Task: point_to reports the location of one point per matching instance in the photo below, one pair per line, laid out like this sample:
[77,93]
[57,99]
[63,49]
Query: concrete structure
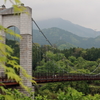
[23,22]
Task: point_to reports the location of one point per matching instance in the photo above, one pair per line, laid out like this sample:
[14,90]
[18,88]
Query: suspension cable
[52,46]
[42,32]
[95,69]
[84,73]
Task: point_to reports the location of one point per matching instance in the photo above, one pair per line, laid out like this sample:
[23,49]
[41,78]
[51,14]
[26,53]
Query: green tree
[6,57]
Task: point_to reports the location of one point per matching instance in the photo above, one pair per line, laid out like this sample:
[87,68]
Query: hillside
[56,35]
[68,26]
[63,39]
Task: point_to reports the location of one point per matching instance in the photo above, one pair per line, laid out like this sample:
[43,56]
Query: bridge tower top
[22,20]
[10,11]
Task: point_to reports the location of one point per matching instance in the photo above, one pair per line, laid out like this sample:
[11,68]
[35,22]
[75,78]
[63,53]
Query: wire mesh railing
[58,77]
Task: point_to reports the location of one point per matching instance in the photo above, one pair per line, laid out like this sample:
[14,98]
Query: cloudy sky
[82,12]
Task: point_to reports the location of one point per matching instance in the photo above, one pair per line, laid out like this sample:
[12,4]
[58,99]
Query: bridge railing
[49,77]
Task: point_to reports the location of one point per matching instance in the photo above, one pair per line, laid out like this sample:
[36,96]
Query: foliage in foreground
[71,94]
[9,63]
[9,94]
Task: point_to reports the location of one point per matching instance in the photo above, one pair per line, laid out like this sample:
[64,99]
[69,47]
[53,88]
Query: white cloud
[82,12]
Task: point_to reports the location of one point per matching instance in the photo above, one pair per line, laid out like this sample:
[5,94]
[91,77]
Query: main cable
[95,69]
[41,32]
[47,39]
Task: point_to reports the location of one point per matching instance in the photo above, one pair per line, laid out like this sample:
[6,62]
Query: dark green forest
[65,39]
[61,38]
[72,60]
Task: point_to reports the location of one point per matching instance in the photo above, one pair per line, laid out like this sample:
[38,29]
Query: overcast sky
[82,12]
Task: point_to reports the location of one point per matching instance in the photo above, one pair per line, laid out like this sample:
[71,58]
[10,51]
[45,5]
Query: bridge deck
[44,78]
[71,77]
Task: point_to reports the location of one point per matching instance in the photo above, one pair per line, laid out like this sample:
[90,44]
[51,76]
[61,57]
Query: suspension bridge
[41,77]
[38,77]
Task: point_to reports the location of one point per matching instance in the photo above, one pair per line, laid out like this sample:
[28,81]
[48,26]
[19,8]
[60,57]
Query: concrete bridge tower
[23,22]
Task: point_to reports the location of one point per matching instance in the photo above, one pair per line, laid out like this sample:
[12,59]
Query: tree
[7,59]
[73,94]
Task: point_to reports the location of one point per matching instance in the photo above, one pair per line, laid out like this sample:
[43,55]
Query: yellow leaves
[13,76]
[33,82]
[1,39]
[2,49]
[1,27]
[12,62]
[2,83]
[9,69]
[8,49]
[19,9]
[17,5]
[17,1]
[5,1]
[11,32]
[6,59]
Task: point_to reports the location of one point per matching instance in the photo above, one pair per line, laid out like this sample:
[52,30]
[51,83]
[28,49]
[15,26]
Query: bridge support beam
[26,56]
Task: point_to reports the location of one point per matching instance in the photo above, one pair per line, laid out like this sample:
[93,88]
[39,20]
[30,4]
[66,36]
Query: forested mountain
[61,37]
[68,26]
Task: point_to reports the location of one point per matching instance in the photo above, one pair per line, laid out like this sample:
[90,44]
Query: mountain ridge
[68,26]
[55,35]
